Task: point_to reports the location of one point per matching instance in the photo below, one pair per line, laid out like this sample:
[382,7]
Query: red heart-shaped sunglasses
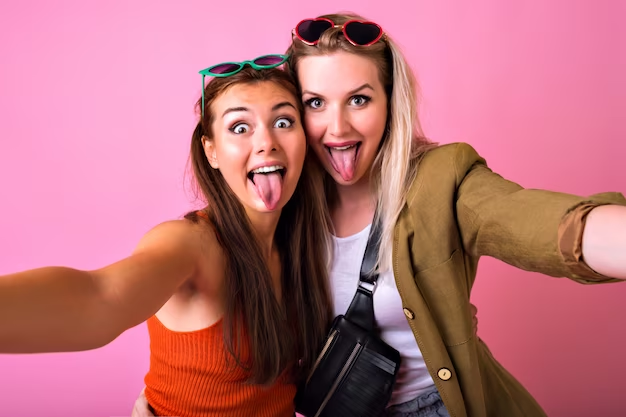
[357,32]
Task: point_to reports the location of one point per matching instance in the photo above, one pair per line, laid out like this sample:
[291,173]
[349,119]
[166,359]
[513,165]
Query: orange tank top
[192,374]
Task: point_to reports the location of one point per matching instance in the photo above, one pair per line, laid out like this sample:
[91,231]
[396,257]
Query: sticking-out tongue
[344,161]
[269,187]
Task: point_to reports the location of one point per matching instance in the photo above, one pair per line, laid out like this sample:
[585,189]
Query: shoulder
[184,236]
[457,157]
[442,168]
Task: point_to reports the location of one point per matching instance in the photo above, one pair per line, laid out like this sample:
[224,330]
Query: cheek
[232,160]
[314,127]
[297,145]
[230,150]
[373,123]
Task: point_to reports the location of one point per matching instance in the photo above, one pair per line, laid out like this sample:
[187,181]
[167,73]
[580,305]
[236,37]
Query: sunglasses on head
[357,32]
[226,69]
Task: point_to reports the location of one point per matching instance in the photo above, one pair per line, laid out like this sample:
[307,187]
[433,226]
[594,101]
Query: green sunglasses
[226,69]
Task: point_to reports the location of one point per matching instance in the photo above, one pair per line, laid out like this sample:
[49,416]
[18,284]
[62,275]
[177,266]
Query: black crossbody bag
[355,371]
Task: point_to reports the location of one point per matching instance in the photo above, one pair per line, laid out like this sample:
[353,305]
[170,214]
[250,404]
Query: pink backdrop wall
[96,114]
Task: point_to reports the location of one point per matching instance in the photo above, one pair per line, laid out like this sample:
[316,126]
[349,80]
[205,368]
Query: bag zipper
[347,365]
[330,339]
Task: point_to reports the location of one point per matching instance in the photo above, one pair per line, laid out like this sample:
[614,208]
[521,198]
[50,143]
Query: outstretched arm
[557,234]
[62,309]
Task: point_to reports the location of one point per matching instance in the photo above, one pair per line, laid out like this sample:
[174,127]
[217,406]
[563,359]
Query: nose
[265,141]
[338,125]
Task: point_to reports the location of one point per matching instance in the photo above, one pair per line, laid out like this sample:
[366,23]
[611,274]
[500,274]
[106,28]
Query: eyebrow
[274,108]
[364,86]
[234,109]
[356,90]
[283,104]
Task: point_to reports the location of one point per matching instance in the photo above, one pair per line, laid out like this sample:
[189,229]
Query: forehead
[337,72]
[254,96]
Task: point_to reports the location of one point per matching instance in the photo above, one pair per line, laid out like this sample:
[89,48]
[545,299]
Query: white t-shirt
[413,377]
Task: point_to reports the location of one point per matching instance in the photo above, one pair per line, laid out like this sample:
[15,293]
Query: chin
[261,208]
[339,179]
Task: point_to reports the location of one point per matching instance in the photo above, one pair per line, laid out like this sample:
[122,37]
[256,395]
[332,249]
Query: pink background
[96,115]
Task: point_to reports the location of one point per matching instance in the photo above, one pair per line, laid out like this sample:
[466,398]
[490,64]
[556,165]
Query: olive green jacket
[457,211]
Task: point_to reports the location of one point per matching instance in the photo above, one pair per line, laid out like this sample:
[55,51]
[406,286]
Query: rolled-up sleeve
[535,230]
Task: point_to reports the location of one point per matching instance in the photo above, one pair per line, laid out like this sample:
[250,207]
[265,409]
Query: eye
[240,128]
[359,100]
[314,103]
[283,123]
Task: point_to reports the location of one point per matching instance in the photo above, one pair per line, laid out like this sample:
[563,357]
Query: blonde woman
[441,208]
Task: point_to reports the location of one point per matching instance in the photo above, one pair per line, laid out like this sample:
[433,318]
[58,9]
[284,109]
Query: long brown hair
[404,142]
[278,336]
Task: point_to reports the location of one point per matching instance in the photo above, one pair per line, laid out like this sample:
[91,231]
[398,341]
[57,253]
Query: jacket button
[409,313]
[444,374]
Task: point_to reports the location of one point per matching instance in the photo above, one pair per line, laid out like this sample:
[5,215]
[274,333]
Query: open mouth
[266,171]
[268,184]
[343,159]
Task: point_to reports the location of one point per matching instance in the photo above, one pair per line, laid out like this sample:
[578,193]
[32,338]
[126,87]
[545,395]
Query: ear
[209,152]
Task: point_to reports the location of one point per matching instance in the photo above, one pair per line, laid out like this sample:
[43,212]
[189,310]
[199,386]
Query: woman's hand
[141,407]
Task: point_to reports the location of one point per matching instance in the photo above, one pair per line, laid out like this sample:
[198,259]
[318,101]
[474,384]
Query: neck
[354,207]
[355,196]
[264,228]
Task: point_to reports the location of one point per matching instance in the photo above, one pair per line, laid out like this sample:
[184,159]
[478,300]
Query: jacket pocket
[444,288]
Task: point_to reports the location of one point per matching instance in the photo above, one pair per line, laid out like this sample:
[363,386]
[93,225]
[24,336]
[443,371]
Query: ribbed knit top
[193,375]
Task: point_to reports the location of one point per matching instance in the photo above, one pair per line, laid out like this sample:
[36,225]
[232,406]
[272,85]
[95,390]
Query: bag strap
[361,310]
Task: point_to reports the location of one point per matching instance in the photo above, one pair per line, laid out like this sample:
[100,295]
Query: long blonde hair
[404,142]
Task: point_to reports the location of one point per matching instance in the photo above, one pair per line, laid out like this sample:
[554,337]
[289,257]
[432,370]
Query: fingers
[141,407]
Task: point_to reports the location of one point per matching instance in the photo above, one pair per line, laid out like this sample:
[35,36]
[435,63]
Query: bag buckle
[370,287]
